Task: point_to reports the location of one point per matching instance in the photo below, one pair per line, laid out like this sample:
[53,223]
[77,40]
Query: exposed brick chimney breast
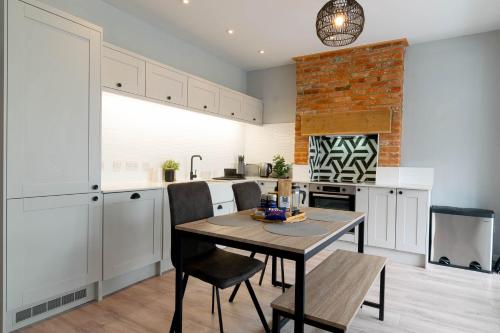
[357,79]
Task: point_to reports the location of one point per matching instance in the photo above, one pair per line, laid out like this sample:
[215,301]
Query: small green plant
[280,168]
[170,165]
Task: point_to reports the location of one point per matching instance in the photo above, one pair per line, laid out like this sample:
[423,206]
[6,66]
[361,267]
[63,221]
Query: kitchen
[94,177]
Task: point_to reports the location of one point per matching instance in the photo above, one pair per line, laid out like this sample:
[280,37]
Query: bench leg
[382,295]
[276,322]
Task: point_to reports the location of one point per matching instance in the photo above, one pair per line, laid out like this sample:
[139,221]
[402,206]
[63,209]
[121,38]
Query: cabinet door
[231,104]
[132,231]
[362,199]
[203,96]
[166,85]
[224,208]
[382,217]
[123,72]
[412,220]
[253,109]
[54,103]
[54,245]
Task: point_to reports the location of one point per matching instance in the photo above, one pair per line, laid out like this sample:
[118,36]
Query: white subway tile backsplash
[138,136]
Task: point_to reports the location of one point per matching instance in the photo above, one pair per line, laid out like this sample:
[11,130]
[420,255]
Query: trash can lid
[474,212]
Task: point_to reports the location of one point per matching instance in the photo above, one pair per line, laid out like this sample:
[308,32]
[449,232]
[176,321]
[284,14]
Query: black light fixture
[340,22]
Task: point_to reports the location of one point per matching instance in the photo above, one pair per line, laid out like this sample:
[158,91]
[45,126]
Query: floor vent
[50,305]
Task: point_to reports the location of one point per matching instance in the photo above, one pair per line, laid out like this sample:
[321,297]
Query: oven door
[337,202]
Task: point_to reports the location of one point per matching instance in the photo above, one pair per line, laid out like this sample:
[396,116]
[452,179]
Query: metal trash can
[462,237]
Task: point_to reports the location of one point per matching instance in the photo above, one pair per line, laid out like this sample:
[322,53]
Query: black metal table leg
[300,273]
[361,237]
[382,295]
[273,271]
[179,290]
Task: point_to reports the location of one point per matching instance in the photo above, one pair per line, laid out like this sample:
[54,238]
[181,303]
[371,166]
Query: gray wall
[128,32]
[276,87]
[451,119]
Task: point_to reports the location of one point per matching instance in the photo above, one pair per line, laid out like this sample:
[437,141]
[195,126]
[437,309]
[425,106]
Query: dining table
[256,236]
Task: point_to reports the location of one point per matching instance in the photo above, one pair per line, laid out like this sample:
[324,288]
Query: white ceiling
[286,28]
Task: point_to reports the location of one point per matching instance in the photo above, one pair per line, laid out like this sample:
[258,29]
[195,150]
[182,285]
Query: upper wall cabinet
[203,95]
[123,72]
[54,103]
[166,85]
[252,110]
[231,104]
[134,74]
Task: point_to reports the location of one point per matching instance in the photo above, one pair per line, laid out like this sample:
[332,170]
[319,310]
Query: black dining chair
[203,260]
[247,196]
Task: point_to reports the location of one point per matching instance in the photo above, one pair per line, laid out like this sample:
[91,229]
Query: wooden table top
[257,235]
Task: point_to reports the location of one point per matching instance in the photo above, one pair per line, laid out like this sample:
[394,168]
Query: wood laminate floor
[417,300]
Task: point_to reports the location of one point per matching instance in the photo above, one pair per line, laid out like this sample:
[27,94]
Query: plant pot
[169,175]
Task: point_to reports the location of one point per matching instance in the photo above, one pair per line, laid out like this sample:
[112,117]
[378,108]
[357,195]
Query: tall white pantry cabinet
[51,202]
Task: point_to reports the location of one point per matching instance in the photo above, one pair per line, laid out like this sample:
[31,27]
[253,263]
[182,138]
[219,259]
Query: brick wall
[357,79]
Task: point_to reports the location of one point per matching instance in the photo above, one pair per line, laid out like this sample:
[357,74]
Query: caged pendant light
[340,22]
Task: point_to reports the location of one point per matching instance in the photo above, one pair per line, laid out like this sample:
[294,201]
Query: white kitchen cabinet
[231,104]
[132,231]
[54,103]
[224,208]
[267,186]
[54,245]
[412,218]
[362,205]
[382,217]
[166,85]
[123,72]
[253,109]
[203,95]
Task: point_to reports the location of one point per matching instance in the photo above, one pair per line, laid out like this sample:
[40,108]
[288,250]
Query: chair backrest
[189,202]
[247,195]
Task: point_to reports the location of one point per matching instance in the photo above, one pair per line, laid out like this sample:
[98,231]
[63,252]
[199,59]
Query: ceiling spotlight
[230,31]
[186,2]
[261,51]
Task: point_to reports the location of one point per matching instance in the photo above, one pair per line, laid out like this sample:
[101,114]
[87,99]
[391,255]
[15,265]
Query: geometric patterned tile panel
[343,158]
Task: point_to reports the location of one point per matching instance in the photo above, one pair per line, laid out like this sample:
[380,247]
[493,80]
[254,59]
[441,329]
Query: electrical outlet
[117,166]
[131,165]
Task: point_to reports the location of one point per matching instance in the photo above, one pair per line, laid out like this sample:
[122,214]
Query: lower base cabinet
[54,246]
[132,232]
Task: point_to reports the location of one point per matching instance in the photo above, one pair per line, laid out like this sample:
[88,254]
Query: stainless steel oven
[339,197]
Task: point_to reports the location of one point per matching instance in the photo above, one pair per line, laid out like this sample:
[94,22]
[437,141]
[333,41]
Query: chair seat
[222,269]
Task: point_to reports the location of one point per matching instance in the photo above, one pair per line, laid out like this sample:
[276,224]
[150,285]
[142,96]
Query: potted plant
[280,168]
[170,167]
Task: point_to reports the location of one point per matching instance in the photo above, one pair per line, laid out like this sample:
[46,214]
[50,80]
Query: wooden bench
[334,291]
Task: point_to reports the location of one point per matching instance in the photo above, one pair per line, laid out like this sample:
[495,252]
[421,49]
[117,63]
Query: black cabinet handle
[219,207]
[254,119]
[359,190]
[232,113]
[95,198]
[391,192]
[400,192]
[169,98]
[119,85]
[205,107]
[135,196]
[95,187]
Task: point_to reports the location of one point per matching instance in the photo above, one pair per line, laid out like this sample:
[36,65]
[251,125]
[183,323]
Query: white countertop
[143,186]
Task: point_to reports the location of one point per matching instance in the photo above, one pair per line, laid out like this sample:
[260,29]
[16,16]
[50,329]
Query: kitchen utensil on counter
[252,170]
[298,198]
[284,193]
[230,172]
[241,165]
[266,169]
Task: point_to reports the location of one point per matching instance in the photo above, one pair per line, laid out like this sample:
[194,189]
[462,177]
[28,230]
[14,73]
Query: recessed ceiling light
[261,51]
[230,31]
[186,2]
